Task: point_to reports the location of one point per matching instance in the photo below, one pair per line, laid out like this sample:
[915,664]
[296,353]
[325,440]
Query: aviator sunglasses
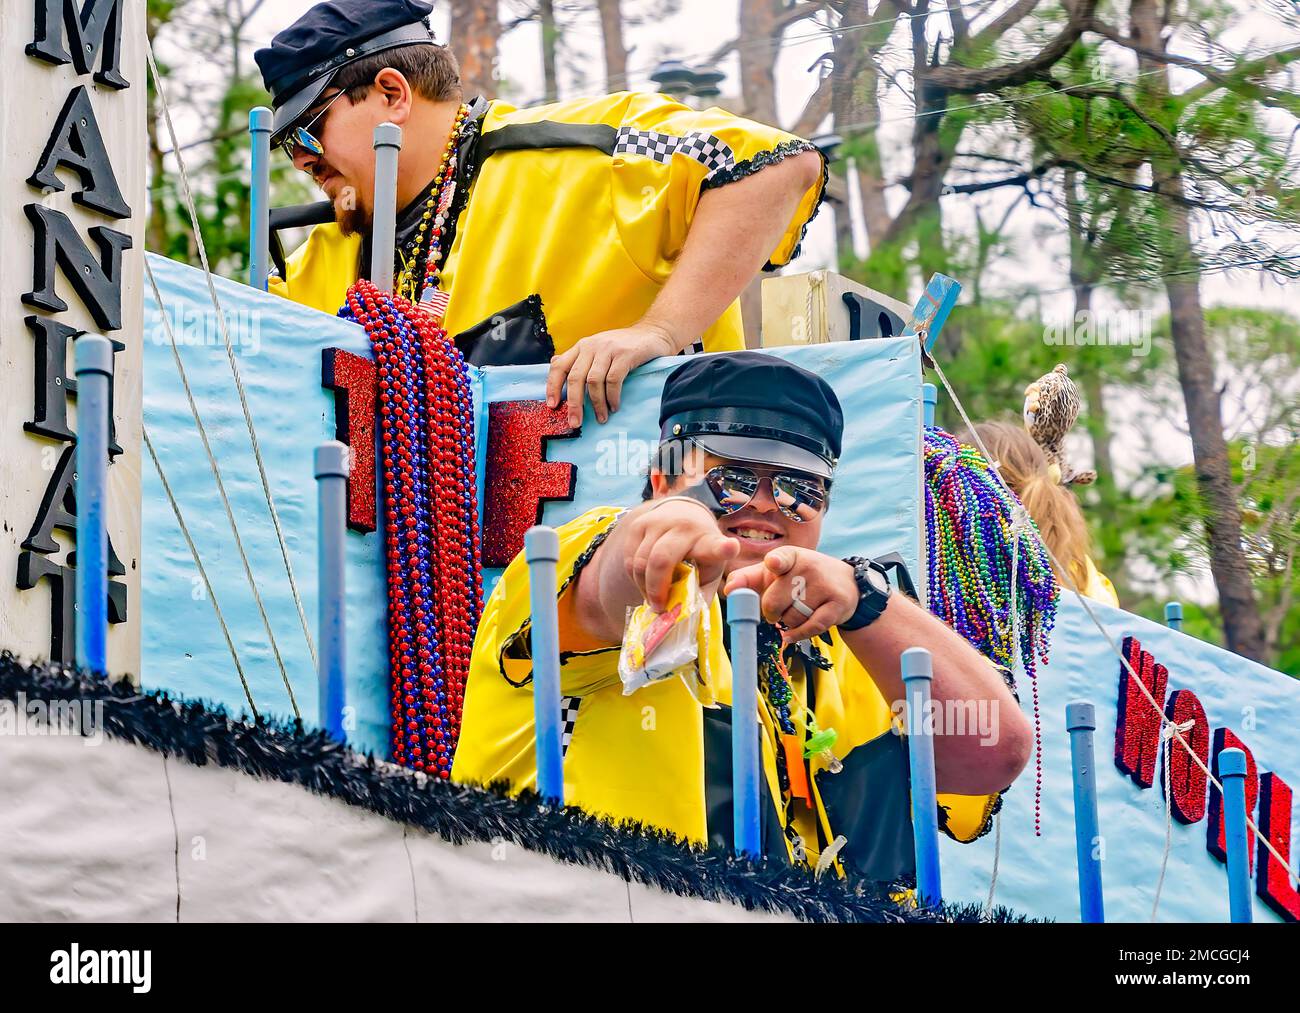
[796,495]
[302,137]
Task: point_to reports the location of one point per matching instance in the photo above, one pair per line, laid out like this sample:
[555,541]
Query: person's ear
[660,483]
[395,93]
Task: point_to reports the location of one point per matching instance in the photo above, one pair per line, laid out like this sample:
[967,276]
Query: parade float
[196,504]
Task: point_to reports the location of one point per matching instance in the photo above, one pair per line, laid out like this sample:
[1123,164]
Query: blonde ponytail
[1053,507]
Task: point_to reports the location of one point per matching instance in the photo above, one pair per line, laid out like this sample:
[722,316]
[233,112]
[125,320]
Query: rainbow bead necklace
[970,532]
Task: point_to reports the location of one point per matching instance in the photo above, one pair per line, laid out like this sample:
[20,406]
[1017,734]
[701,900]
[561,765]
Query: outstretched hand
[664,536]
[822,584]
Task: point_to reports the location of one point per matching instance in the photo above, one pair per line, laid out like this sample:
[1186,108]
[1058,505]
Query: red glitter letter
[519,478]
[1137,723]
[1225,738]
[1273,883]
[1187,780]
[352,379]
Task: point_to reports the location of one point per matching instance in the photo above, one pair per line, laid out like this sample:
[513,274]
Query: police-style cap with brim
[757,408]
[302,60]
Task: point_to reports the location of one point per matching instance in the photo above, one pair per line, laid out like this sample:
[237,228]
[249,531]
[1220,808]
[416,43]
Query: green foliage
[219,163]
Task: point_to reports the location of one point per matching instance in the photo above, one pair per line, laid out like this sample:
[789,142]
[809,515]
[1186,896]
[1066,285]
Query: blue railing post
[94,368]
[1081,722]
[259,202]
[742,617]
[388,144]
[331,467]
[1174,615]
[917,675]
[542,552]
[930,396]
[1232,772]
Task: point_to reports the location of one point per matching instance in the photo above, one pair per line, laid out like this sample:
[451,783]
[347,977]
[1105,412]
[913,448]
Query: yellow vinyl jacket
[591,224]
[645,757]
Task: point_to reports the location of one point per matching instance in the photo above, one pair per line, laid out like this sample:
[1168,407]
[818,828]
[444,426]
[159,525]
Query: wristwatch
[873,592]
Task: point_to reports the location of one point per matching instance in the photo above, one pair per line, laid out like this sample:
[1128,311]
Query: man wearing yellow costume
[749,445]
[595,234]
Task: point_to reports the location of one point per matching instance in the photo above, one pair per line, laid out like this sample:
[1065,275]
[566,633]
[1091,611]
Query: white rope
[221,486]
[1166,734]
[207,584]
[230,351]
[1087,608]
[1019,524]
[997,856]
[816,293]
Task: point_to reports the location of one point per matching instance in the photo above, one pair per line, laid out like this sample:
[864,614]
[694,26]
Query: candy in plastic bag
[658,644]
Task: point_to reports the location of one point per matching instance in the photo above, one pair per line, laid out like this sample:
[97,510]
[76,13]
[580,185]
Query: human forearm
[733,232]
[991,748]
[636,561]
[605,588]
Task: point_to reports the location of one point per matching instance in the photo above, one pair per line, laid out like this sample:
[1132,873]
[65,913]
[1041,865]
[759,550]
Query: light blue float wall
[875,507]
[1038,874]
[278,353]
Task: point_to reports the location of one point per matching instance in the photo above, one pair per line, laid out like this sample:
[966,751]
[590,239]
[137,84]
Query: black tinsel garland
[285,751]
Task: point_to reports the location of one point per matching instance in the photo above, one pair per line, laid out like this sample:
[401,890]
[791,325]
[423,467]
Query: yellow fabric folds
[1099,588]
[594,235]
[641,757]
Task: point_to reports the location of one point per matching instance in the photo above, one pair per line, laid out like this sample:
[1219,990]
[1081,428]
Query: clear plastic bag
[657,645]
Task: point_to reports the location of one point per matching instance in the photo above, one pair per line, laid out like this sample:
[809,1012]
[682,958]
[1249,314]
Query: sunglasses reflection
[797,496]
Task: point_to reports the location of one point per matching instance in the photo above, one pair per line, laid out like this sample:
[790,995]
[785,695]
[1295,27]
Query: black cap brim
[757,450]
[298,103]
[319,77]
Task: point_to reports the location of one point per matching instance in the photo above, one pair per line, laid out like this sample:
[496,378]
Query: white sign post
[72,207]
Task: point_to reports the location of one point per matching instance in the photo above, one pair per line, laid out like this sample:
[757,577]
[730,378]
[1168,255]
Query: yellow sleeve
[667,155]
[1099,587]
[581,671]
[320,272]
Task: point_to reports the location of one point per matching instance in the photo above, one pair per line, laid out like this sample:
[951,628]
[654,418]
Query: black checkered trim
[706,149]
[569,716]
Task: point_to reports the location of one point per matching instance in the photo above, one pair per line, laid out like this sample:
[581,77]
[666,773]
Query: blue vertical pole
[383,233]
[259,202]
[930,395]
[1232,772]
[94,369]
[1174,615]
[917,676]
[742,617]
[1081,722]
[331,467]
[542,551]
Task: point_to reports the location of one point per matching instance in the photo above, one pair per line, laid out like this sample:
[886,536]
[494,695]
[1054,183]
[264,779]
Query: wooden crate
[810,309]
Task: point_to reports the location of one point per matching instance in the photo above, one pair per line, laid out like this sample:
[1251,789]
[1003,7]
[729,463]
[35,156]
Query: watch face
[877,580]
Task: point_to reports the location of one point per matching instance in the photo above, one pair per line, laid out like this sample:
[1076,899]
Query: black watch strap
[873,592]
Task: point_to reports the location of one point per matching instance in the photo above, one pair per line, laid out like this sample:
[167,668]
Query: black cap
[748,406]
[301,61]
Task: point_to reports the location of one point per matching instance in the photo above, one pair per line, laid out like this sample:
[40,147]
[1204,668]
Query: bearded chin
[352,222]
[352,219]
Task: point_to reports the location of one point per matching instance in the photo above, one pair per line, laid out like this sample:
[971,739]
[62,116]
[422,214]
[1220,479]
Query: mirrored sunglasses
[797,496]
[302,137]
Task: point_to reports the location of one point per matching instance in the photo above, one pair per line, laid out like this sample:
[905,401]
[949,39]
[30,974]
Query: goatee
[352,222]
